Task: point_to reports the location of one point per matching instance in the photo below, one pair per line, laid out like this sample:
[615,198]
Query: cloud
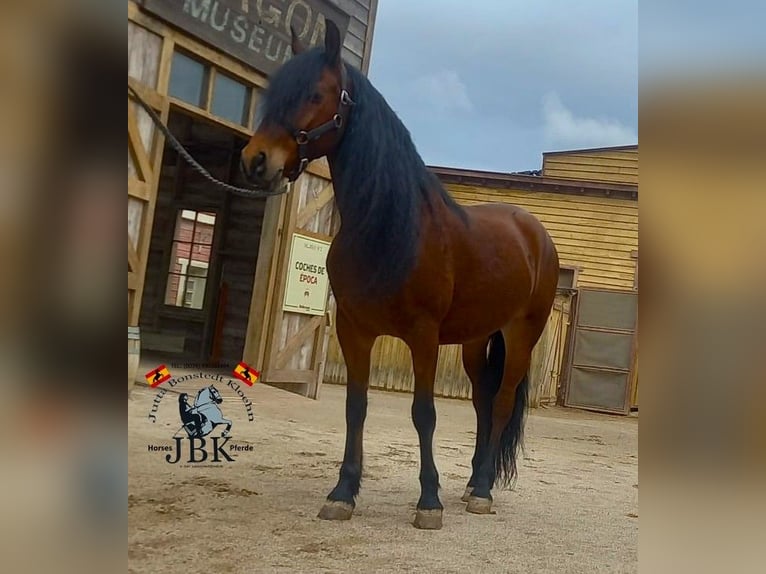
[562,128]
[444,91]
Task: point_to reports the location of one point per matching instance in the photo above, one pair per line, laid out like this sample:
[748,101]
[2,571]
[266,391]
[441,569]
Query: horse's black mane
[381,182]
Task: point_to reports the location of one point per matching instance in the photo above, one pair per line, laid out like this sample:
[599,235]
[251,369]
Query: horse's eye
[316,98]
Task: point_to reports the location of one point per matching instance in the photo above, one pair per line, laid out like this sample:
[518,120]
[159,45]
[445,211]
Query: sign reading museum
[254,31]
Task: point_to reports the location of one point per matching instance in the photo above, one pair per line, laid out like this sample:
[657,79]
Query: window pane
[190,256]
[184,225]
[229,99]
[195,293]
[187,79]
[203,233]
[174,291]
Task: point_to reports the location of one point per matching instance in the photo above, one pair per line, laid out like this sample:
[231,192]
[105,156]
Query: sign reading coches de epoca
[307,282]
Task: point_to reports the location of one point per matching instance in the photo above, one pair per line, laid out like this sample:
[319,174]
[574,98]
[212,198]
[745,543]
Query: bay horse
[409,262]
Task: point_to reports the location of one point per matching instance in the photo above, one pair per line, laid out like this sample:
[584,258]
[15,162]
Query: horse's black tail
[513,433]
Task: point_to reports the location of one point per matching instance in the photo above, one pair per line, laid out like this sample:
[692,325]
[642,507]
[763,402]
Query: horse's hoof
[336,510]
[478,505]
[467,493]
[428,519]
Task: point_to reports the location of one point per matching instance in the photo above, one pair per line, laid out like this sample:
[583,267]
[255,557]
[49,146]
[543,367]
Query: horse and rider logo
[196,440]
[199,420]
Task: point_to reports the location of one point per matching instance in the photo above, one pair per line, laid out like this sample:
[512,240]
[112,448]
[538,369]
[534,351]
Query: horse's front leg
[356,349]
[425,353]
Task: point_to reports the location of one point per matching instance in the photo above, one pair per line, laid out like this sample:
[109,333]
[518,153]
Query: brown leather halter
[338,121]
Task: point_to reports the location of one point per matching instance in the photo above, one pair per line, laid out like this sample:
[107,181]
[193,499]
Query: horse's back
[512,218]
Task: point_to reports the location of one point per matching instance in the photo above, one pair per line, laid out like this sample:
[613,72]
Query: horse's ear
[295,42]
[332,43]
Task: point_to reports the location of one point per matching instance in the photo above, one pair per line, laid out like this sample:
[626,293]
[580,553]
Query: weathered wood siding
[615,165]
[392,363]
[392,368]
[596,234]
[357,45]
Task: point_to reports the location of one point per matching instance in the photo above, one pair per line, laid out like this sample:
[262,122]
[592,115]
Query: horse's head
[182,397]
[215,395]
[302,114]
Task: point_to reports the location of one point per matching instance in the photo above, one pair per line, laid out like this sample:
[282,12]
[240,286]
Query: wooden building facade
[588,201]
[206,268]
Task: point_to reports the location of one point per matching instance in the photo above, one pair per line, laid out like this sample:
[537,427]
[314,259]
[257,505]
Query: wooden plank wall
[295,349]
[547,357]
[144,63]
[605,166]
[392,368]
[357,45]
[596,234]
[392,363]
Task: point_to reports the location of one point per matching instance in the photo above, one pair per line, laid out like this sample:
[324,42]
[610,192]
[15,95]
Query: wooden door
[147,73]
[290,347]
[602,355]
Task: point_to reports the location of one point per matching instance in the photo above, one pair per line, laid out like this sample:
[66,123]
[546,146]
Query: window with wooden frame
[213,91]
[190,254]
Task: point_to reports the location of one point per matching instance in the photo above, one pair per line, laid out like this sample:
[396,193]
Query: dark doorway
[203,251]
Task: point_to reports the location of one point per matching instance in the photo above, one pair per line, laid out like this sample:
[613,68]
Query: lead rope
[194,163]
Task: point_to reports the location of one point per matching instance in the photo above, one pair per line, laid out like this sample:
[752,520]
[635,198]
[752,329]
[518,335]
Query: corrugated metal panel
[597,235]
[608,166]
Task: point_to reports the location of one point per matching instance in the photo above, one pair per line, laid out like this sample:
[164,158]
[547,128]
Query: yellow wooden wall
[595,234]
[600,165]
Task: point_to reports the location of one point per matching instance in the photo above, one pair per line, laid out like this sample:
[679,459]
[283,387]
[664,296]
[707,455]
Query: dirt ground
[574,507]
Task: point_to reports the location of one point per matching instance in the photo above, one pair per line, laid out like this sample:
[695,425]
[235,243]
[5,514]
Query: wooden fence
[392,364]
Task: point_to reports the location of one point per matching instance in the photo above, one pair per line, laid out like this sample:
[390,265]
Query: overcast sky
[491,84]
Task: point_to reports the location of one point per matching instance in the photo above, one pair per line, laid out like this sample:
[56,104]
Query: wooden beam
[143,166]
[313,234]
[297,339]
[319,167]
[315,205]
[147,94]
[210,118]
[133,260]
[138,189]
[152,182]
[259,325]
[289,376]
[371,17]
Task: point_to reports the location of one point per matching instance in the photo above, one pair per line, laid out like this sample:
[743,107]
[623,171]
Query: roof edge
[534,183]
[592,149]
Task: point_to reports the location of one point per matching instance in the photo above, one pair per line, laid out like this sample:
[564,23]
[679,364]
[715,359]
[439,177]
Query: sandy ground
[573,509]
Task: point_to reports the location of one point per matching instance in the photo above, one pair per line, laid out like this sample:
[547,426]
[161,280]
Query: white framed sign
[307,282]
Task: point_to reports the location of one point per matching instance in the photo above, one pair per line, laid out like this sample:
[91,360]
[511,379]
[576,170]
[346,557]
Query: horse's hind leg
[356,349]
[508,409]
[474,363]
